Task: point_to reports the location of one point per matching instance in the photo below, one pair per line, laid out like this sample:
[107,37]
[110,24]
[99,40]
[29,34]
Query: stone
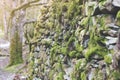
[108,7]
[37,49]
[36,54]
[36,78]
[116,3]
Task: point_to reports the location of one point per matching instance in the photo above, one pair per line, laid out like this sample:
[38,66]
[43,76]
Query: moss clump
[13,69]
[15,50]
[108,59]
[116,75]
[79,71]
[59,76]
[64,50]
[118,15]
[97,50]
[118,18]
[78,47]
[84,21]
[72,54]
[46,41]
[83,76]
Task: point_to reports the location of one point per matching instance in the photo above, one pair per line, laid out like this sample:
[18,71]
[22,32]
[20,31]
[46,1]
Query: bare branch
[29,21]
[26,5]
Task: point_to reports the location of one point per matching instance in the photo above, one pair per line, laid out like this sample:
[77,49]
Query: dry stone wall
[68,45]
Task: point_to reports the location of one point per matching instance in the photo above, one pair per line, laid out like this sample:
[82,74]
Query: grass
[13,69]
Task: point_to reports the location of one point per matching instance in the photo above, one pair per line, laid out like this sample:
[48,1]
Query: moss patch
[15,50]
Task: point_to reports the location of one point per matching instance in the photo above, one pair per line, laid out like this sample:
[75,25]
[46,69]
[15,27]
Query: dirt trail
[4,75]
[4,60]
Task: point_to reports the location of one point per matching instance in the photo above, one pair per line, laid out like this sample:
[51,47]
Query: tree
[16,35]
[17,21]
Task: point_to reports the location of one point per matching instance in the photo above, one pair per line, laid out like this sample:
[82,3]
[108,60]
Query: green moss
[70,9]
[78,47]
[55,49]
[74,10]
[79,70]
[71,39]
[15,50]
[80,65]
[118,15]
[66,36]
[72,54]
[118,18]
[51,73]
[46,41]
[84,21]
[116,75]
[50,25]
[97,50]
[108,59]
[83,76]
[13,68]
[95,47]
[64,50]
[59,76]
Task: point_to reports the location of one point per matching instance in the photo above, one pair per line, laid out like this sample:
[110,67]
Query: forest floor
[7,73]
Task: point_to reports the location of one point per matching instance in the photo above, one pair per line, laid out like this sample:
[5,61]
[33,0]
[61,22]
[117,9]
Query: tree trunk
[17,18]
[5,26]
[16,36]
[5,23]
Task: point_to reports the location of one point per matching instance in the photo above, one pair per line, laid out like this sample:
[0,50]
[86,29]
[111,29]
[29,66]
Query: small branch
[29,21]
[23,6]
[26,5]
